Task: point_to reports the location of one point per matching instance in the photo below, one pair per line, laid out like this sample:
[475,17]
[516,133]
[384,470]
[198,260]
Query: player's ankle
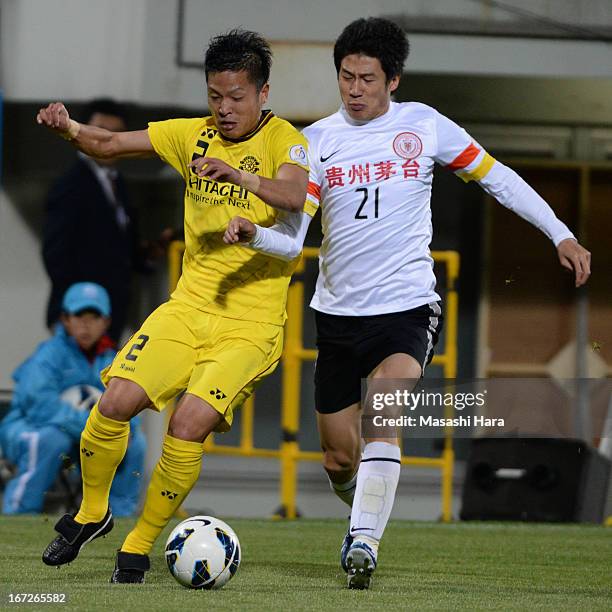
[83,518]
[370,541]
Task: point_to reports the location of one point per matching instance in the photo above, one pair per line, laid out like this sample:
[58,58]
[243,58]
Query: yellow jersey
[229,280]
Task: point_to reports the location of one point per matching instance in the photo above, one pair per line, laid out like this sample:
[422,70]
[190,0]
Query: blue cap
[83,296]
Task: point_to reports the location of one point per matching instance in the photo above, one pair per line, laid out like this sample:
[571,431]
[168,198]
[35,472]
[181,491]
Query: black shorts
[351,347]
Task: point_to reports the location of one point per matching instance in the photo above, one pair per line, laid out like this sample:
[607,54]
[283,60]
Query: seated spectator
[44,423]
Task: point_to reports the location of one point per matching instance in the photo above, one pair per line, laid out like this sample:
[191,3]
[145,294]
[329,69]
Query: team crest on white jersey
[407,145]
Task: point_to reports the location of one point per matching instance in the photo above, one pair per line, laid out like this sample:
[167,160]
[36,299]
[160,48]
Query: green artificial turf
[294,566]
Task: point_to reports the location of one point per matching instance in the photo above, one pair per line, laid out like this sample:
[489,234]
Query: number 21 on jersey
[365,210]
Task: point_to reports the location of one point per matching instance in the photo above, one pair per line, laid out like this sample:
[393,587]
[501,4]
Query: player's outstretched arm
[92,140]
[284,240]
[516,194]
[575,258]
[512,191]
[286,191]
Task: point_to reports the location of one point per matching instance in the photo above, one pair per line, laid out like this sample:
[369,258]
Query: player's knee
[399,366]
[182,430]
[113,408]
[338,462]
[122,400]
[193,420]
[185,429]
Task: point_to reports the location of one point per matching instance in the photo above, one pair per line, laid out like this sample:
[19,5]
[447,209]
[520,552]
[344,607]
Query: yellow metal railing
[295,353]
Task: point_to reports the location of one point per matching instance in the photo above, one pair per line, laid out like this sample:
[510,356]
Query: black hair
[240,50]
[374,37]
[104,106]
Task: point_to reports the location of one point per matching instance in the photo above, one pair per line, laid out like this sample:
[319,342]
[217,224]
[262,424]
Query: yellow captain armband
[480,171]
[309,208]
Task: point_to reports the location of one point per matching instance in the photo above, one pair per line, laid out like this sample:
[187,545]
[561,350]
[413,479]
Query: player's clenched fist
[56,117]
[215,169]
[239,229]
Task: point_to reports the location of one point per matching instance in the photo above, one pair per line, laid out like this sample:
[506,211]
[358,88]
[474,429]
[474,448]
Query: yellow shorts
[179,348]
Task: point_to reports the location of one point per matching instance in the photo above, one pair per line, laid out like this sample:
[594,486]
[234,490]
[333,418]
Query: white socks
[377,479]
[346,490]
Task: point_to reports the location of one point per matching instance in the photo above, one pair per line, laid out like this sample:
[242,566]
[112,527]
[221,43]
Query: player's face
[234,102]
[364,89]
[86,328]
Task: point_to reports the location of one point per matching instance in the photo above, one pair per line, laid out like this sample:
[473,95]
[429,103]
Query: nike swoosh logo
[324,159]
[361,529]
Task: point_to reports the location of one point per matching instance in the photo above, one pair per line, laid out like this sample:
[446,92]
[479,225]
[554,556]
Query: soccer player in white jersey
[377,312]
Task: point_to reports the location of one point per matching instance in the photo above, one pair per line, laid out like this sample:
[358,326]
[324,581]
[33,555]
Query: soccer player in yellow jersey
[221,332]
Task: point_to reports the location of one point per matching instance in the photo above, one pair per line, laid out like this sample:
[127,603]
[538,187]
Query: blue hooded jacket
[55,365]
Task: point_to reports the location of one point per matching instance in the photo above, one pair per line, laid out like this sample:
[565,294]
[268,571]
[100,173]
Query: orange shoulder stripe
[465,158]
[314,190]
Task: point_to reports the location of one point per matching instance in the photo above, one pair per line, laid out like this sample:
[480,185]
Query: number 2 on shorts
[137,347]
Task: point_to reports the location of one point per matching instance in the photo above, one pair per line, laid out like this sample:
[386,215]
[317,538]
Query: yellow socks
[103,445]
[176,472]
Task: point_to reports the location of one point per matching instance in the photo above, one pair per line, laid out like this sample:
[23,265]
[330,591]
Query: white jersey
[373,181]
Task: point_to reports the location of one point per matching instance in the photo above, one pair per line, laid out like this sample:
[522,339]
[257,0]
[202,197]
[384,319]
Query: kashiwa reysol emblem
[249,164]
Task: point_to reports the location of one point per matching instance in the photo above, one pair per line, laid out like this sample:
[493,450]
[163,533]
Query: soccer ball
[203,553]
[81,397]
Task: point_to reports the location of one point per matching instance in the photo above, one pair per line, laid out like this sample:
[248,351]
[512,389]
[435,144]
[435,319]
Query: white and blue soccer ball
[203,552]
